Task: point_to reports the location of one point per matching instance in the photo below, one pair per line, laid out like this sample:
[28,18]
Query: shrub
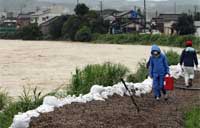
[144,39]
[107,74]
[55,29]
[4,99]
[30,32]
[84,34]
[70,27]
[141,73]
[172,57]
[192,118]
[27,101]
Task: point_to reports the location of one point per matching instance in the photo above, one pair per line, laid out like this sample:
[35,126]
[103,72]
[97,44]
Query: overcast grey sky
[162,6]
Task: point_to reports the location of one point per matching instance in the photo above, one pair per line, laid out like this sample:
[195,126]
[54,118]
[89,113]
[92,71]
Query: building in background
[41,16]
[164,23]
[125,22]
[197,26]
[8,23]
[24,19]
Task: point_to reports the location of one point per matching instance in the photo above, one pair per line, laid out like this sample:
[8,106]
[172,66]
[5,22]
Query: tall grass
[192,118]
[141,73]
[172,57]
[147,39]
[4,99]
[106,74]
[30,99]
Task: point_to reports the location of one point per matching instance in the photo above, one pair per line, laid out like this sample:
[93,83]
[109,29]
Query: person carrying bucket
[187,61]
[158,69]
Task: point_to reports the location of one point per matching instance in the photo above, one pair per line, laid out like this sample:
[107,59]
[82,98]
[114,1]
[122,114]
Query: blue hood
[155,48]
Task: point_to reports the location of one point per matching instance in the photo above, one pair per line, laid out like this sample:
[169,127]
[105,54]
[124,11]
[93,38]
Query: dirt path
[49,64]
[118,112]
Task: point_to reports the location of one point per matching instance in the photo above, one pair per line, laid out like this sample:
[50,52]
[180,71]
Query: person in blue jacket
[158,68]
[188,60]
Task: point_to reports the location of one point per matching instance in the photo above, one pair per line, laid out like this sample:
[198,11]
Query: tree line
[84,24]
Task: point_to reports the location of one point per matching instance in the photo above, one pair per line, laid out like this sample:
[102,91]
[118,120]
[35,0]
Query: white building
[197,26]
[45,15]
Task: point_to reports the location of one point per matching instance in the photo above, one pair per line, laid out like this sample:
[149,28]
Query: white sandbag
[130,85]
[32,113]
[108,91]
[51,101]
[66,100]
[88,97]
[97,89]
[176,71]
[21,121]
[105,95]
[80,99]
[148,81]
[44,108]
[138,93]
[138,87]
[98,97]
[119,89]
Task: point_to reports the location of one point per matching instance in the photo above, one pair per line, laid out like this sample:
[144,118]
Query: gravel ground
[119,112]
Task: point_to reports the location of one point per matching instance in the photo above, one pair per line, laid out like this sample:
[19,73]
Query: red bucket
[169,83]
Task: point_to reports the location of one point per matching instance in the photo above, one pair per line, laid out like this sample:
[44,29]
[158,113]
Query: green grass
[30,99]
[146,39]
[192,118]
[172,57]
[4,99]
[141,73]
[106,74]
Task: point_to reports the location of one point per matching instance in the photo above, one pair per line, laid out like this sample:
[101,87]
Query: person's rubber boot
[166,97]
[157,98]
[190,82]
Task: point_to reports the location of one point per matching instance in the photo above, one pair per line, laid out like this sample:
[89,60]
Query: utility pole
[156,13]
[22,7]
[135,8]
[174,7]
[145,15]
[195,9]
[189,12]
[77,2]
[101,8]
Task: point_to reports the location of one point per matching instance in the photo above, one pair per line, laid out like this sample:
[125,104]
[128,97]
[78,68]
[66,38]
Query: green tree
[55,29]
[91,14]
[30,32]
[98,25]
[185,25]
[197,16]
[81,9]
[70,27]
[84,34]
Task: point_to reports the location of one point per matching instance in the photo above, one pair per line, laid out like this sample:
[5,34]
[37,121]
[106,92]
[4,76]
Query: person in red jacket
[188,60]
